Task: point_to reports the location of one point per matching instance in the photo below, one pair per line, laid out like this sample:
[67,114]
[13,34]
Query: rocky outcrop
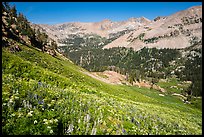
[176,31]
[105,28]
[19,30]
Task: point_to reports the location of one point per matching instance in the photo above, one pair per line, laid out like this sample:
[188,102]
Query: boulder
[161,95]
[137,84]
[162,89]
[5,21]
[5,13]
[13,26]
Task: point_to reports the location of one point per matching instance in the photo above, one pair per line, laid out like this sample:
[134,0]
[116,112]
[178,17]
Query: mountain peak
[159,18]
[140,19]
[196,7]
[132,19]
[106,20]
[143,19]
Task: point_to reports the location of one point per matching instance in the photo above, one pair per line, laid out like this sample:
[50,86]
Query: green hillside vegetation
[174,85]
[47,94]
[147,63]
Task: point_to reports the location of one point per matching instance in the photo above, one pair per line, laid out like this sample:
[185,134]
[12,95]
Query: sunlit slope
[46,95]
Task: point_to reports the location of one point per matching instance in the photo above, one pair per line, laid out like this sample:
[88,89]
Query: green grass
[173,85]
[102,75]
[197,103]
[46,95]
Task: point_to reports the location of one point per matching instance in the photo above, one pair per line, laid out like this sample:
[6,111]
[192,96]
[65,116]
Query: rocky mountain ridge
[105,28]
[179,30]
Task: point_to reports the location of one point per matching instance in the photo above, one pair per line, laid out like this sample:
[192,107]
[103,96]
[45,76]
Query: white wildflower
[16,97]
[93,132]
[48,127]
[87,127]
[56,120]
[30,114]
[87,118]
[35,122]
[11,101]
[20,114]
[27,104]
[51,121]
[19,109]
[70,129]
[117,132]
[24,103]
[51,131]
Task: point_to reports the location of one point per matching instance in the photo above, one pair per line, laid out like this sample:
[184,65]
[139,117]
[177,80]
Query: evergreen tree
[13,11]
[6,6]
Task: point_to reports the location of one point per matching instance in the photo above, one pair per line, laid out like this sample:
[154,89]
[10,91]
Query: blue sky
[61,12]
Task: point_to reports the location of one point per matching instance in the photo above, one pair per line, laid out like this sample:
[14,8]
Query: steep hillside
[145,64]
[46,94]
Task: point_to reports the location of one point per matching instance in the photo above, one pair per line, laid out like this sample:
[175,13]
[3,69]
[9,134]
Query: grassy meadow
[42,94]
